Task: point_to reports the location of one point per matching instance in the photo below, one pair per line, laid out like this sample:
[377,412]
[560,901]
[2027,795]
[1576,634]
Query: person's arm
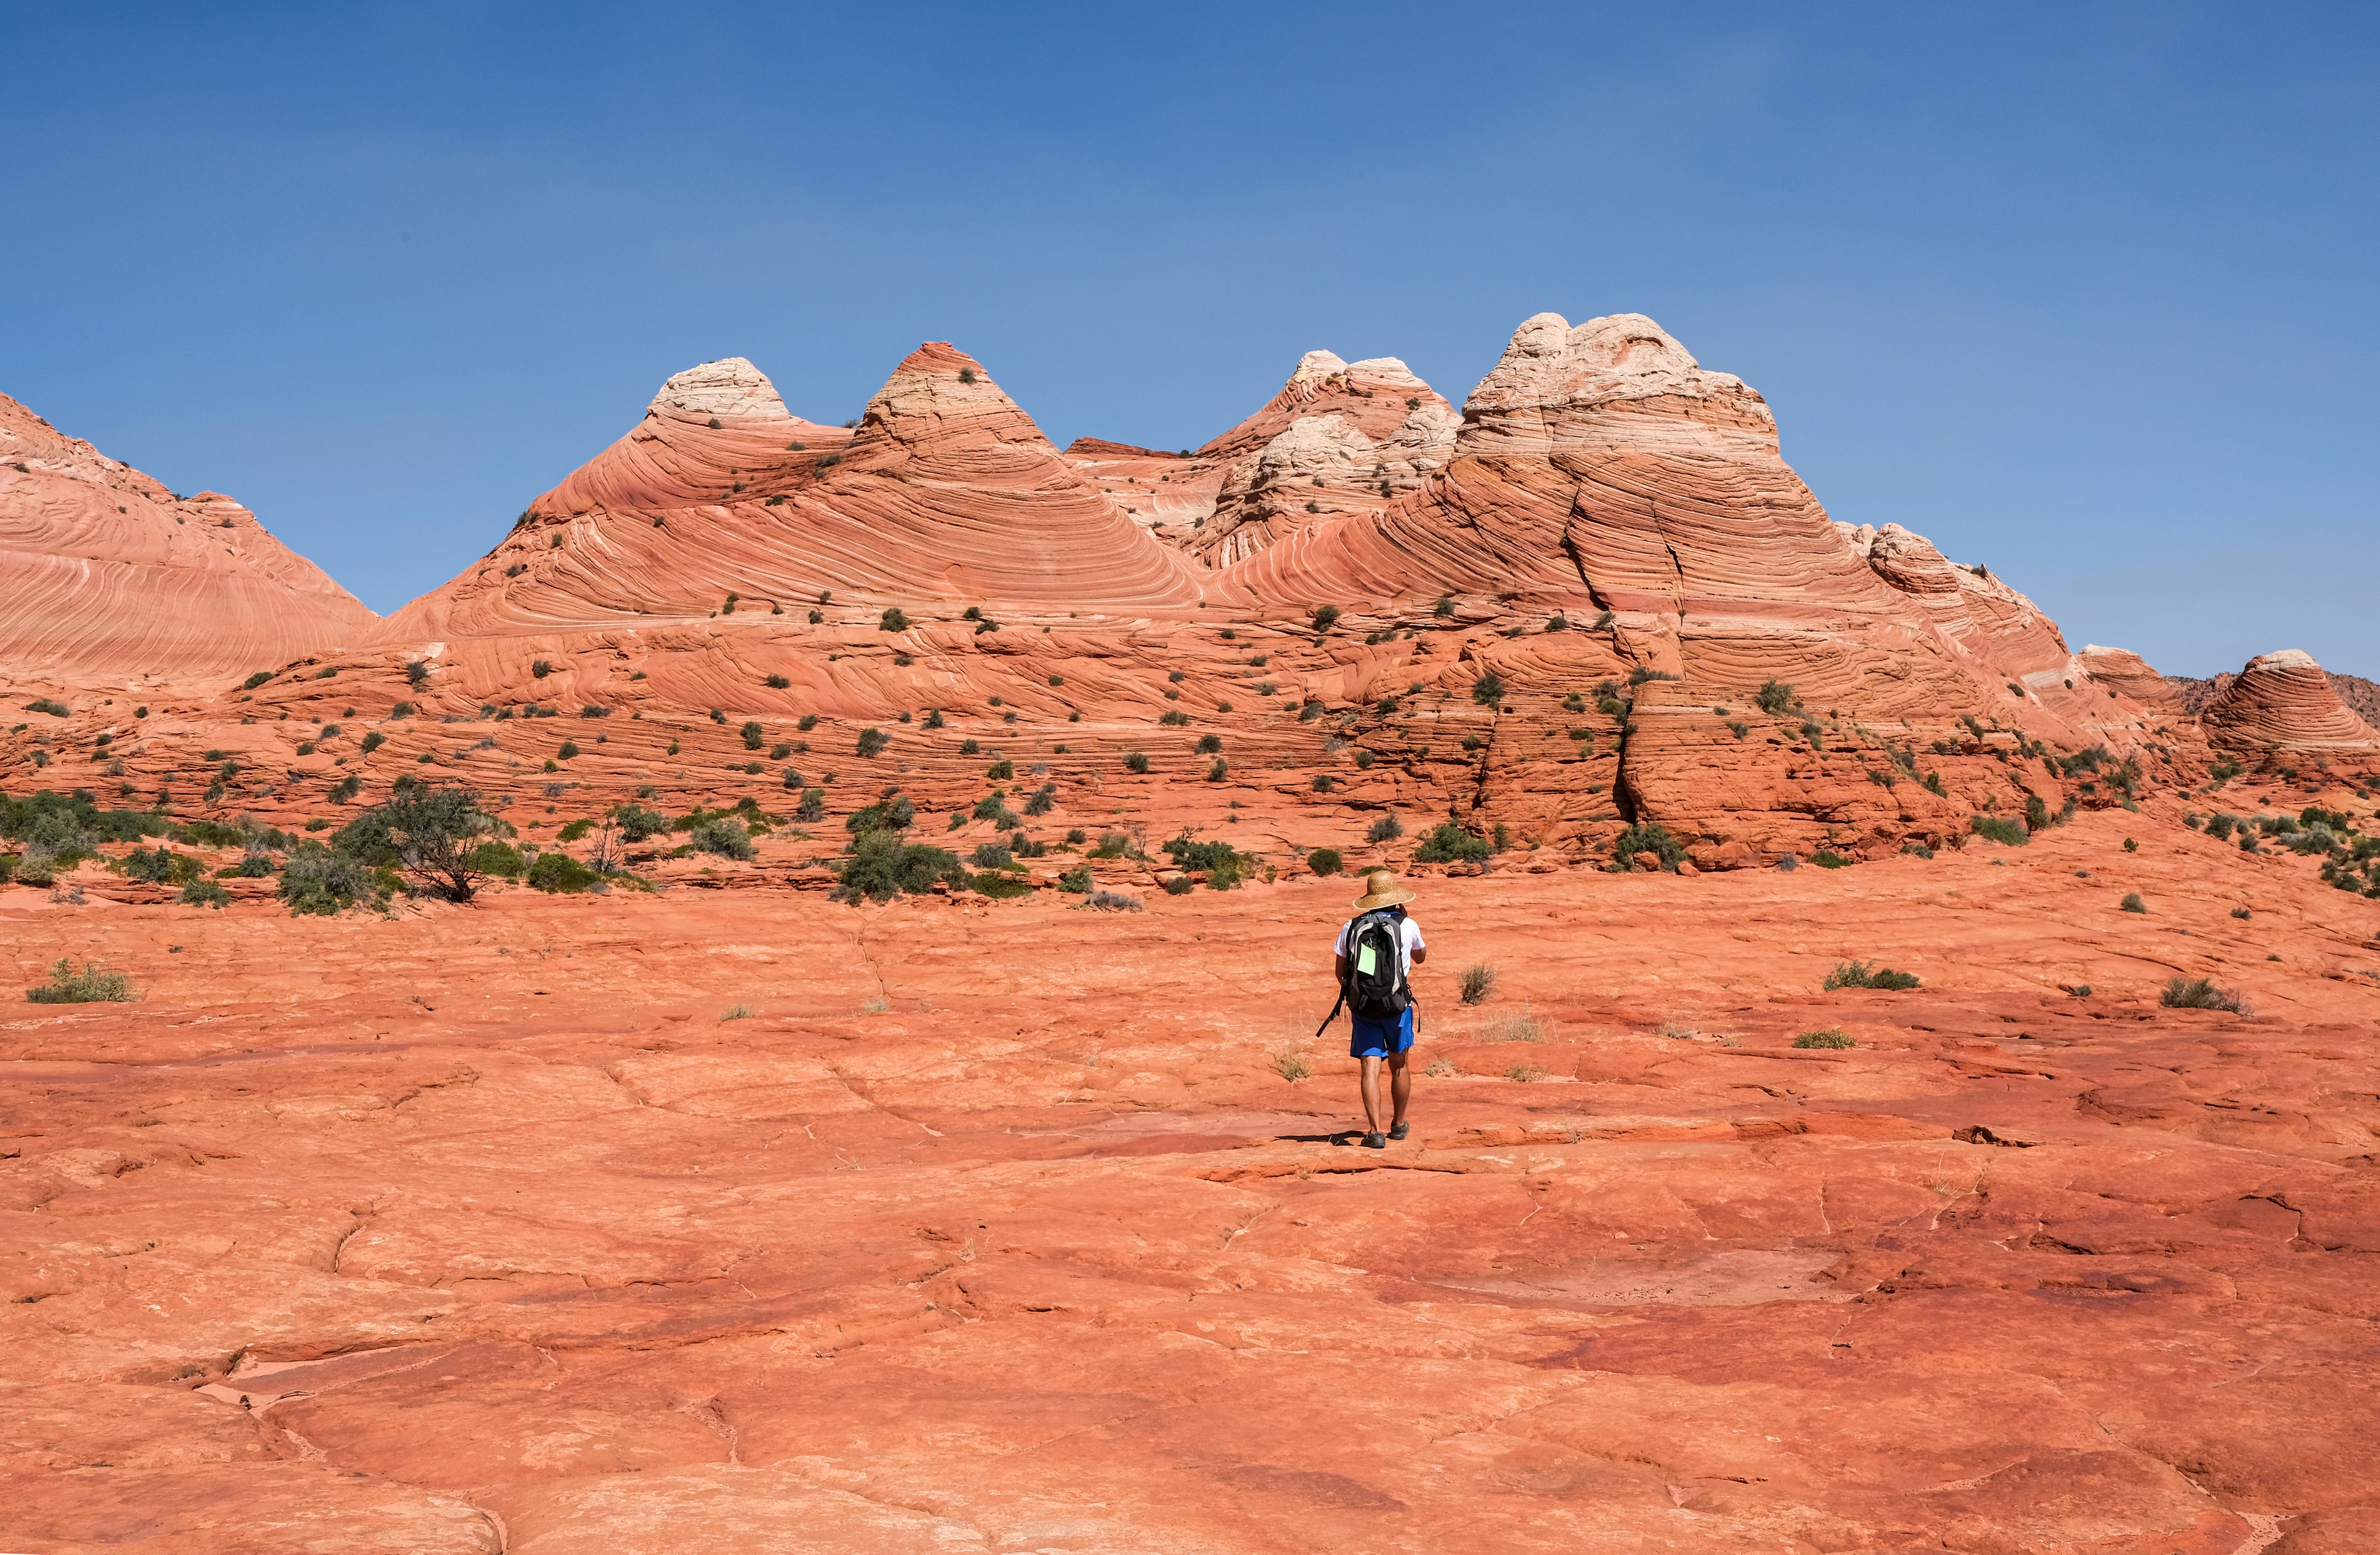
[1420,949]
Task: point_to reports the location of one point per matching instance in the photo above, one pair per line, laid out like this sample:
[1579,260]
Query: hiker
[1374,957]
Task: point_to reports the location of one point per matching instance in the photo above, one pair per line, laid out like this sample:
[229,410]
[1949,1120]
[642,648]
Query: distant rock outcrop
[2281,706]
[109,579]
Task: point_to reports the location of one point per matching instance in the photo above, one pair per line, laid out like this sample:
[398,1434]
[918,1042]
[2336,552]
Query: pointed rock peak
[729,387]
[1620,356]
[941,392]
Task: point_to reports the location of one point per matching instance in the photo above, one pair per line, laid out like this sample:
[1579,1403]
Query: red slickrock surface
[999,1228]
[108,581]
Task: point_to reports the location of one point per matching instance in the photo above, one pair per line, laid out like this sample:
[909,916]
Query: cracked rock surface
[1000,1229]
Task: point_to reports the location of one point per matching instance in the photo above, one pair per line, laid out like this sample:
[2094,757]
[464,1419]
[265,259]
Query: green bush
[1387,829]
[1858,974]
[317,879]
[1647,836]
[499,858]
[1325,617]
[812,805]
[992,855]
[1992,828]
[1324,861]
[1829,1037]
[1775,696]
[872,743]
[1450,843]
[637,823]
[893,619]
[259,678]
[1001,888]
[427,833]
[893,813]
[881,867]
[557,873]
[1001,770]
[92,985]
[1076,879]
[1828,858]
[722,836]
[204,893]
[1134,761]
[1489,690]
[753,738]
[1180,885]
[2133,903]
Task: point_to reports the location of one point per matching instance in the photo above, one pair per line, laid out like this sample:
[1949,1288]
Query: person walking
[1373,959]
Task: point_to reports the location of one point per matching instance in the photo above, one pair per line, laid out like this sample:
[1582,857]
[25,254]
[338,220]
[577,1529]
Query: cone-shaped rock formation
[2282,706]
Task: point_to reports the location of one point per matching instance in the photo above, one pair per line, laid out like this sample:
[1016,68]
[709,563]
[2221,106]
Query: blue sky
[2083,292]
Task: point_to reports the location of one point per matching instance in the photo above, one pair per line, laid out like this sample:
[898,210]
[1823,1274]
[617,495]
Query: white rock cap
[729,387]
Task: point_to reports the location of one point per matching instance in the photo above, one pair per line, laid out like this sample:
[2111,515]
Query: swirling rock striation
[109,579]
[2282,706]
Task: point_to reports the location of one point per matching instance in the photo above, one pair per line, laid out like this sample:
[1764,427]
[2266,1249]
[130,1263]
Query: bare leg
[1370,1086]
[1400,1082]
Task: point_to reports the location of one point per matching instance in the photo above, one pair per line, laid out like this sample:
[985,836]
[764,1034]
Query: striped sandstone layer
[108,580]
[2282,706]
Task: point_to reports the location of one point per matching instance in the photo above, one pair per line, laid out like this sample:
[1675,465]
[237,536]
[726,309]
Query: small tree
[1487,690]
[427,834]
[893,619]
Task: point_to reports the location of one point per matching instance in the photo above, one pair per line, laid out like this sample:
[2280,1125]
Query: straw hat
[1381,889]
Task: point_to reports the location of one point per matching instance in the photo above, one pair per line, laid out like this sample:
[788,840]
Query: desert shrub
[812,805]
[2242,913]
[498,858]
[259,678]
[1829,1037]
[892,813]
[151,866]
[317,879]
[1324,783]
[2199,993]
[1111,902]
[1043,800]
[992,855]
[2036,814]
[881,867]
[204,893]
[1001,888]
[807,722]
[569,749]
[426,834]
[557,873]
[1647,836]
[92,985]
[373,741]
[1387,829]
[722,835]
[872,743]
[1773,696]
[893,619]
[1288,1063]
[45,704]
[541,668]
[2133,903]
[1992,828]
[1325,617]
[1324,861]
[1114,844]
[1001,770]
[637,823]
[1489,690]
[1858,974]
[256,864]
[1180,885]
[1174,719]
[1478,981]
[1450,843]
[1134,761]
[1076,879]
[1828,858]
[753,738]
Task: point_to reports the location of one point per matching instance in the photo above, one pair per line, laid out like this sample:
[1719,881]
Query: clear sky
[2083,292]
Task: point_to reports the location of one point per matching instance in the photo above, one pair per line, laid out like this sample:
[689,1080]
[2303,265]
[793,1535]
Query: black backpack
[1376,987]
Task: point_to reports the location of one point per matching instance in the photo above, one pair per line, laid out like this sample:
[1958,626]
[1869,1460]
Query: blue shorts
[1378,1039]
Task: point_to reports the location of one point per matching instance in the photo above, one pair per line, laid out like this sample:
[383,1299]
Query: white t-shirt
[1409,940]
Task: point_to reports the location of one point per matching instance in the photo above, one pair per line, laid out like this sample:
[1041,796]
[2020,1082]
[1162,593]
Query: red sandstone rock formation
[2281,708]
[108,580]
[2127,674]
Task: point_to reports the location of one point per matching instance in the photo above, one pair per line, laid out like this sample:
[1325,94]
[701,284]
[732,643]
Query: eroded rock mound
[2282,706]
[109,579]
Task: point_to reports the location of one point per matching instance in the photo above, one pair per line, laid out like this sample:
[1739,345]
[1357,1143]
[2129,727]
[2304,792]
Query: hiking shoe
[1399,1131]
[1376,1141]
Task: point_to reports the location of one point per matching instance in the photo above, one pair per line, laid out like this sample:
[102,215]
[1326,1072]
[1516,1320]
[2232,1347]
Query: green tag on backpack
[1367,961]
